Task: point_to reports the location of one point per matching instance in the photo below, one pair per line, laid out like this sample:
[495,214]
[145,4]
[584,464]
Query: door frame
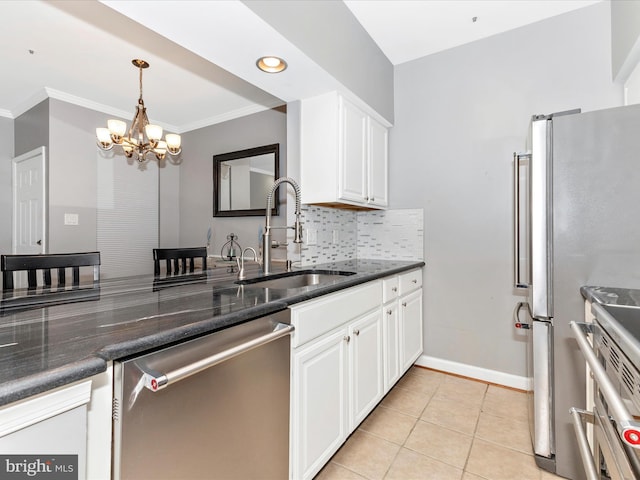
[40,151]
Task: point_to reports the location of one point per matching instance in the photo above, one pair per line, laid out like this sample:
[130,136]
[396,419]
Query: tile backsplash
[346,234]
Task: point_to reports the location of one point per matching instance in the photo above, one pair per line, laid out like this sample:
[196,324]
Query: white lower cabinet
[410,323]
[336,373]
[365,367]
[391,333]
[348,350]
[49,428]
[337,381]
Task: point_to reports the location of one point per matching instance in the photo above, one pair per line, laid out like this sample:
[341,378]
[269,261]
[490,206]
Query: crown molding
[242,112]
[47,92]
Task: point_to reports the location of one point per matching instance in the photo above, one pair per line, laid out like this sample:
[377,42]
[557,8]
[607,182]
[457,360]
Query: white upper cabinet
[344,154]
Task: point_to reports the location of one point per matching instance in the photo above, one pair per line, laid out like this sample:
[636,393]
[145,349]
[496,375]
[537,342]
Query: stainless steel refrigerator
[577,222]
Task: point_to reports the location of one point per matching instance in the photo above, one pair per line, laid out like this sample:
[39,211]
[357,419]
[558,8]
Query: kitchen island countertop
[48,346]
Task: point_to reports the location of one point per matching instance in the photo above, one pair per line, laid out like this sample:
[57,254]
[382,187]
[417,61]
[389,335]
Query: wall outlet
[336,237]
[71,219]
[312,236]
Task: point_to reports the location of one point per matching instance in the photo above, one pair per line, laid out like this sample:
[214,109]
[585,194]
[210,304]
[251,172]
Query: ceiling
[81,52]
[409,29]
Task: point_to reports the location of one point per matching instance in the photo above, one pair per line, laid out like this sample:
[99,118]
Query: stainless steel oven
[609,435]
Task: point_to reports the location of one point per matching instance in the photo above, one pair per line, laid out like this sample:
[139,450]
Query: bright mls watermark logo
[49,467]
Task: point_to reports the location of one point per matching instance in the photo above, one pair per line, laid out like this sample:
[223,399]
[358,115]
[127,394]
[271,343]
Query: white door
[410,328]
[366,371]
[319,410]
[352,156]
[378,160]
[30,202]
[391,332]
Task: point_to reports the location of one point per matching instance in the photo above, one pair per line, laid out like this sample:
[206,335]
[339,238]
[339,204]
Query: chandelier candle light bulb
[142,137]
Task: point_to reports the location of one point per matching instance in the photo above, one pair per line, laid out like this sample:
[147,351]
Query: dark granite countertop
[73,334]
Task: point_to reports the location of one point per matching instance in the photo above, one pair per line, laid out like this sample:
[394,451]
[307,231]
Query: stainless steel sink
[303,278]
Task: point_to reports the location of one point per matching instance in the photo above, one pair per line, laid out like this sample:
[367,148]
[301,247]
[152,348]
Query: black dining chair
[46,263]
[179,260]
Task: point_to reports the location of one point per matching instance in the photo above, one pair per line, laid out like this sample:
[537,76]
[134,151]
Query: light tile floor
[436,426]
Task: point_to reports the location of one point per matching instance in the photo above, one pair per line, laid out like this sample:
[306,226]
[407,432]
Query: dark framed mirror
[243,179]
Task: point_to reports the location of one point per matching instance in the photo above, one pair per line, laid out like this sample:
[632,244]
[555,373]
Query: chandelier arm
[138,142]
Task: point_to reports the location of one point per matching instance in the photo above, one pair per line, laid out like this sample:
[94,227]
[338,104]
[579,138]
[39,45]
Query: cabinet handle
[404,304]
[347,338]
[356,332]
[394,289]
[389,312]
[414,281]
[373,199]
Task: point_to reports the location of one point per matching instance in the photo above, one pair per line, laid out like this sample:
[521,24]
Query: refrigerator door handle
[516,316]
[517,273]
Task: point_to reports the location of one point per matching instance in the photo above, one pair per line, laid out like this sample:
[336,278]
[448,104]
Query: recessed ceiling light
[271,64]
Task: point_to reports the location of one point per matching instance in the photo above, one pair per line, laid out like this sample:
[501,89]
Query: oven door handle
[158,381]
[628,428]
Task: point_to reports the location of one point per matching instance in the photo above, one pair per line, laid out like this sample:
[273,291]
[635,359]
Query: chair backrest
[179,260]
[46,262]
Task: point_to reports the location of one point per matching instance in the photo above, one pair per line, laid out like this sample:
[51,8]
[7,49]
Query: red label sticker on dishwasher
[154,384]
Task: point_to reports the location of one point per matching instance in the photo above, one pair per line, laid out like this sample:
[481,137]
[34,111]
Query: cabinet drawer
[317,317]
[390,289]
[410,281]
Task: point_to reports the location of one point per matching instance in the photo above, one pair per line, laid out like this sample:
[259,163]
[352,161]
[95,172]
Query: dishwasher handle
[156,382]
[628,428]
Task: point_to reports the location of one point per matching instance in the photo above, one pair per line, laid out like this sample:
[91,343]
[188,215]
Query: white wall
[460,115]
[625,41]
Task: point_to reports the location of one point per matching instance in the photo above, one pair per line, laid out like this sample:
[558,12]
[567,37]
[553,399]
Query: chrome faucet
[266,236]
[240,262]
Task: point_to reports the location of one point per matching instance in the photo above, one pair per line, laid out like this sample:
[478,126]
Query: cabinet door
[353,150]
[378,164]
[410,328]
[391,342]
[366,371]
[319,403]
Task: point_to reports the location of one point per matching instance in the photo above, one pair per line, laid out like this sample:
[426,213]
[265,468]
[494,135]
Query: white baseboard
[478,373]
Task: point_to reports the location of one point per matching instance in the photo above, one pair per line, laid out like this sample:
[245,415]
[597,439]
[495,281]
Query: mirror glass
[242,181]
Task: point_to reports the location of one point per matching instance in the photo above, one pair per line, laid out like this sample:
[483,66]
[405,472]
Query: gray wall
[196,178]
[31,129]
[460,115]
[625,23]
[72,176]
[6,154]
[328,33]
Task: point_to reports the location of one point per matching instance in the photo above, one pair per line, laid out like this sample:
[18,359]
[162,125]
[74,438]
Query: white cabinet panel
[366,371]
[410,328]
[319,397]
[378,164]
[391,335]
[353,153]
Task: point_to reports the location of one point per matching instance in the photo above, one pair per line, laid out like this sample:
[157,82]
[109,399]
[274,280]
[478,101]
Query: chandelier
[142,137]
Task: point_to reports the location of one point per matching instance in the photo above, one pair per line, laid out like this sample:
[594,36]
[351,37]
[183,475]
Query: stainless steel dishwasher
[216,407]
